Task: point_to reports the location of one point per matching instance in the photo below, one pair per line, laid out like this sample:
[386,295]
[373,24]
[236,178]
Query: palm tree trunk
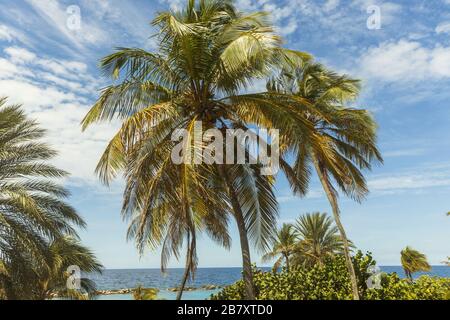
[336,213]
[408,275]
[187,269]
[245,248]
[286,257]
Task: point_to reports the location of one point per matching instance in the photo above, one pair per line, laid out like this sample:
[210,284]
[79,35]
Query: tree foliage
[413,261]
[330,281]
[38,240]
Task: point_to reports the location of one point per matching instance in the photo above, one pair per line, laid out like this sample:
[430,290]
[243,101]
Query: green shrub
[423,288]
[331,282]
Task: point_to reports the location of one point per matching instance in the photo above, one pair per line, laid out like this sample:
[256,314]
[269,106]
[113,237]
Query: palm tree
[25,278]
[318,238]
[67,252]
[283,245]
[141,293]
[208,54]
[344,140]
[34,216]
[413,261]
[168,205]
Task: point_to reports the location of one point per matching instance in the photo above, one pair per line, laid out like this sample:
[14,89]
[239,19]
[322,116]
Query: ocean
[153,278]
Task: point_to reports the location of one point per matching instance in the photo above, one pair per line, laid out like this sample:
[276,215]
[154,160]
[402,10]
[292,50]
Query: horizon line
[181,268]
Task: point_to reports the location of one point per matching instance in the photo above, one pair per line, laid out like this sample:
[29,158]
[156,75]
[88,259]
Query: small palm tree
[413,261]
[141,293]
[283,246]
[67,252]
[318,238]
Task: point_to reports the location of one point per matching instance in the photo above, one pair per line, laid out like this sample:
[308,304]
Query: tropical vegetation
[208,56]
[309,241]
[330,281]
[318,238]
[141,293]
[284,245]
[345,138]
[38,239]
[201,77]
[413,261]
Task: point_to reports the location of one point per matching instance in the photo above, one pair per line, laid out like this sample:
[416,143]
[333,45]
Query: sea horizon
[263,267]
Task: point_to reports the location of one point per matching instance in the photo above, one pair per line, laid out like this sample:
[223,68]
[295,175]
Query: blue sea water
[153,278]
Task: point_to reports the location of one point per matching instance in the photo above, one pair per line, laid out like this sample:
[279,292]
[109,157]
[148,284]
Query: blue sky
[405,67]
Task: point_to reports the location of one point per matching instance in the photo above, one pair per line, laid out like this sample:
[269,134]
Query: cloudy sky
[49,65]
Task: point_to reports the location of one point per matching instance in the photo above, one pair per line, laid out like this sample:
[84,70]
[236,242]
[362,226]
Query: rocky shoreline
[130,291]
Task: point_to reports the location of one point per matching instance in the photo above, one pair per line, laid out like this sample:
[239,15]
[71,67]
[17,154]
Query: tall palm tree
[208,54]
[33,213]
[413,261]
[283,245]
[344,140]
[318,238]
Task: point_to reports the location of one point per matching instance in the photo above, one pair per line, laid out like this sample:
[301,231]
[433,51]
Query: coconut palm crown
[318,238]
[283,246]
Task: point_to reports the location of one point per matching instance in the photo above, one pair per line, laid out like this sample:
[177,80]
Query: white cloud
[7,67]
[408,182]
[20,59]
[405,60]
[59,104]
[10,34]
[175,4]
[312,194]
[331,5]
[56,15]
[6,33]
[126,16]
[33,96]
[443,27]
[20,54]
[419,178]
[403,153]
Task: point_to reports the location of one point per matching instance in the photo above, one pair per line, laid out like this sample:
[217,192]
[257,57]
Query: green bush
[331,282]
[423,288]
